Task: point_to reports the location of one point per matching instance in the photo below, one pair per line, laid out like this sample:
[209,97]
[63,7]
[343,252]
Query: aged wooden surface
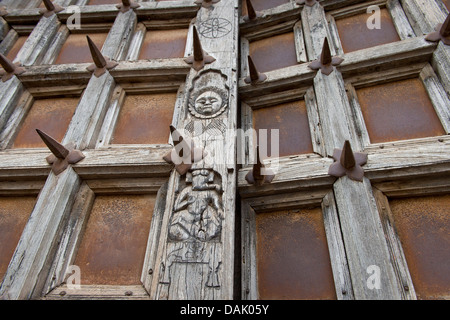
[419,166]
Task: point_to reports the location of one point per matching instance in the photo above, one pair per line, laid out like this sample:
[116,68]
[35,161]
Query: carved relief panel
[195,256]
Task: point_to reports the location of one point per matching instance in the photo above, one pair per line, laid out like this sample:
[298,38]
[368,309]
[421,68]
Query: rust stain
[16,47]
[291,119]
[292,256]
[113,246]
[398,110]
[76,49]
[274,52]
[14,214]
[164,44]
[423,225]
[145,119]
[51,116]
[260,5]
[355,35]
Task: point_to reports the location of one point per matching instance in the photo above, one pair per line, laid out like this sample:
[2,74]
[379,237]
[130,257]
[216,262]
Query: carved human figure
[208,103]
[197,211]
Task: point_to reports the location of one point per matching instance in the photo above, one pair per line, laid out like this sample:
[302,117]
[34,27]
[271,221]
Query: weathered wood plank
[315,28]
[339,263]
[365,243]
[99,292]
[10,91]
[88,117]
[37,243]
[38,41]
[395,247]
[331,109]
[401,23]
[70,239]
[438,96]
[249,287]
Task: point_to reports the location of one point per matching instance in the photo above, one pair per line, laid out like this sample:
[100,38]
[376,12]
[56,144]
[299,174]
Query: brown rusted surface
[423,225]
[16,47]
[76,49]
[260,5]
[98,2]
[14,214]
[113,246]
[291,120]
[398,111]
[292,256]
[145,119]
[164,44]
[447,4]
[274,52]
[51,116]
[355,35]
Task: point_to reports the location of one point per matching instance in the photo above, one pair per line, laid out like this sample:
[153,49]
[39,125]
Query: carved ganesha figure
[198,212]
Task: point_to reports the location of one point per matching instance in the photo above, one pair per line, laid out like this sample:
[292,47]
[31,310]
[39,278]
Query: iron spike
[254,76]
[49,5]
[55,147]
[445,28]
[199,57]
[97,56]
[7,64]
[325,57]
[198,50]
[250,10]
[347,157]
[10,68]
[50,8]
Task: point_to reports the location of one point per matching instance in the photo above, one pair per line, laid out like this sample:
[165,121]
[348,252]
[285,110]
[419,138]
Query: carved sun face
[208,103]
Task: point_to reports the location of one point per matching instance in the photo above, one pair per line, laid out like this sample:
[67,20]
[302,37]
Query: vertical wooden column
[196,246]
[362,231]
[30,263]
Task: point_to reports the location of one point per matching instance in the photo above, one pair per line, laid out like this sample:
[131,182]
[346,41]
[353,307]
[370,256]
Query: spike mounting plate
[348,163]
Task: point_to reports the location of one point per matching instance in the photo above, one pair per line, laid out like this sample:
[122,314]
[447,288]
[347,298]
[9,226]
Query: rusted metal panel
[76,49]
[274,52]
[355,35]
[291,120]
[164,44]
[113,246]
[423,225]
[16,47]
[14,214]
[145,119]
[50,115]
[260,5]
[292,256]
[398,111]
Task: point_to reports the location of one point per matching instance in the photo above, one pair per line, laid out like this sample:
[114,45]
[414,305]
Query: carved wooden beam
[194,259]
